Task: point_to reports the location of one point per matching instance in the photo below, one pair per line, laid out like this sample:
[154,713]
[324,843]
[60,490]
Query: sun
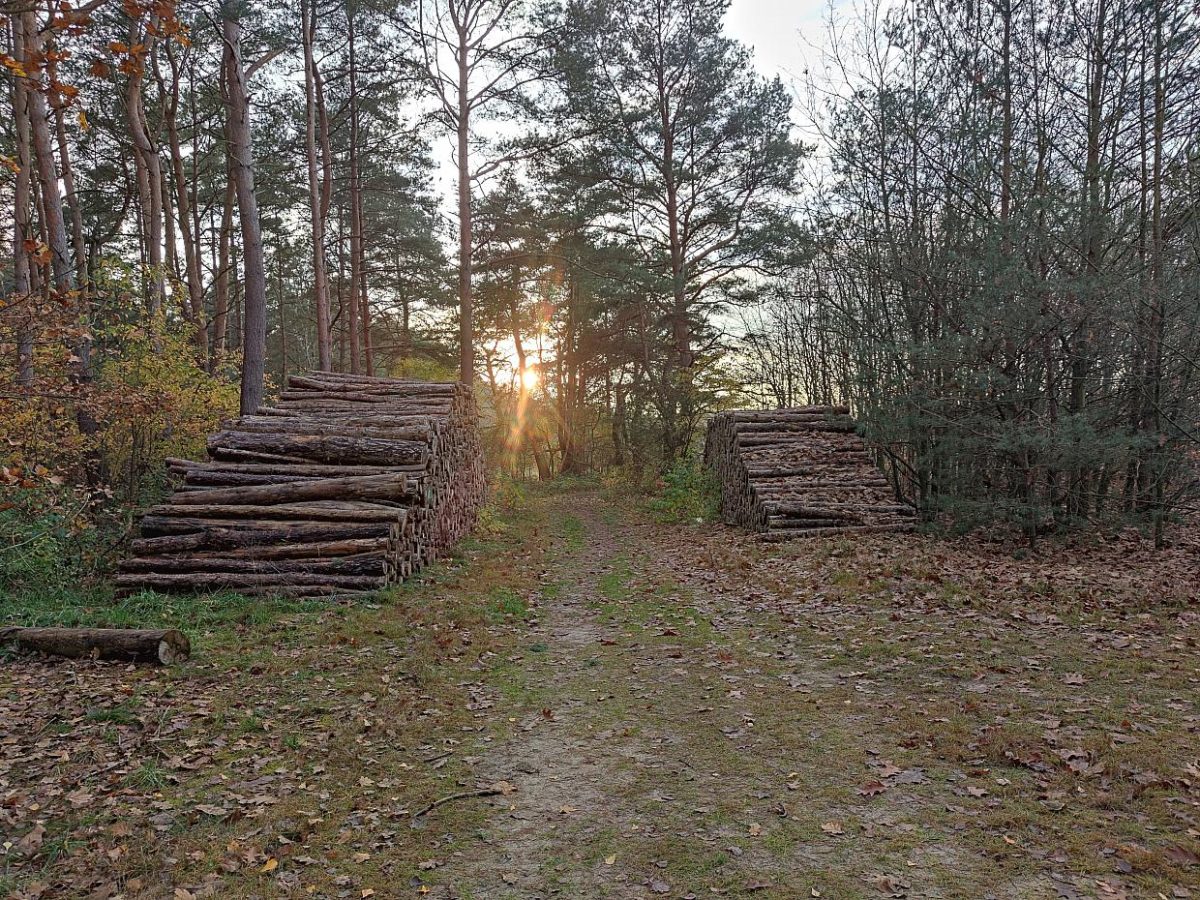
[529,378]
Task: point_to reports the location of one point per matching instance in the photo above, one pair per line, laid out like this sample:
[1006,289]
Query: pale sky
[783,33]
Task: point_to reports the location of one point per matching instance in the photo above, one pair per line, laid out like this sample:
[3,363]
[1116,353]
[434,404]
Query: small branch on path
[492,791]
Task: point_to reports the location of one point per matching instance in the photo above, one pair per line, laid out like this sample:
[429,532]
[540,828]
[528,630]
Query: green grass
[122,714]
[95,607]
[507,603]
[573,533]
[615,584]
[150,776]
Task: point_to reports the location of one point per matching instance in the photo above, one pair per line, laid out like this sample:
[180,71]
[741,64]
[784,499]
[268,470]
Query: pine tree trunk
[466,312]
[22,225]
[318,210]
[190,239]
[254,334]
[352,323]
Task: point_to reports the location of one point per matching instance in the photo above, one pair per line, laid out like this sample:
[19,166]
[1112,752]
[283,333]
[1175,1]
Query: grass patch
[615,584]
[124,713]
[573,533]
[149,776]
[507,603]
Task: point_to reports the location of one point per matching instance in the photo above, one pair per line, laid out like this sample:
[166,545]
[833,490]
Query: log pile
[799,472]
[348,484]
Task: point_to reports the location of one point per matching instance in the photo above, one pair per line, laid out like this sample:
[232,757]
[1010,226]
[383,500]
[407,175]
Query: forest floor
[606,706]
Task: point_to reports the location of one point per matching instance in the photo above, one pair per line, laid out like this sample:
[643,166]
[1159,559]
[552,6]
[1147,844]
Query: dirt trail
[671,747]
[569,770]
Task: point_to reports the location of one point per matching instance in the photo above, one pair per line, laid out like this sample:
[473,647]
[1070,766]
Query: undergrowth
[686,492]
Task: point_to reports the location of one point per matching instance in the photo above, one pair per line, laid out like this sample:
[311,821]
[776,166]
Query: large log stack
[799,472]
[348,484]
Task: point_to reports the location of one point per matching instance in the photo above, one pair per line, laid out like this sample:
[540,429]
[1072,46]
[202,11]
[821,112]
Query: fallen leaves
[872,788]
[968,702]
[33,840]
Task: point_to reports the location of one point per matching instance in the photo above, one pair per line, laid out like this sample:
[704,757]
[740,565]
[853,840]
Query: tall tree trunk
[224,273]
[281,302]
[466,312]
[71,199]
[53,221]
[352,323]
[148,168]
[22,196]
[367,349]
[1157,312]
[318,210]
[254,335]
[183,202]
[1092,245]
[679,401]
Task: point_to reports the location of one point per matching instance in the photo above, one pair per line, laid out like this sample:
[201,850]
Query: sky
[785,34]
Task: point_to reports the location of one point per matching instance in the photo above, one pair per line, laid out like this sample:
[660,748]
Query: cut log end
[800,472]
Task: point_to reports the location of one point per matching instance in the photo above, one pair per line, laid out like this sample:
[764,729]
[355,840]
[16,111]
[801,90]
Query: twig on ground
[461,795]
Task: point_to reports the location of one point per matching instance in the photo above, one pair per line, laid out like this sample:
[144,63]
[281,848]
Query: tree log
[235,580]
[319,511]
[357,564]
[155,646]
[218,534]
[356,487]
[329,448]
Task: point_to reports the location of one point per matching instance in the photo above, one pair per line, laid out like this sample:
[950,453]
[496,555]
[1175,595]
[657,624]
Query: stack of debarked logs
[348,484]
[800,472]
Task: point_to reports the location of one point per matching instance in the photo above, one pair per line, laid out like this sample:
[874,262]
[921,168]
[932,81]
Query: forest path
[613,707]
[669,743]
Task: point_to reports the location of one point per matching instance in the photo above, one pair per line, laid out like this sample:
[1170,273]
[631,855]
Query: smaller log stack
[799,472]
[348,484]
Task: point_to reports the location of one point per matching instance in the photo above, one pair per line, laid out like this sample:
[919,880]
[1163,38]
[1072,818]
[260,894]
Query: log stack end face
[799,472]
[347,485]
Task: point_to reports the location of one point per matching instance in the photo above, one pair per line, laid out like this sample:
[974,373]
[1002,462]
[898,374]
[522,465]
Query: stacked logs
[347,484]
[798,472]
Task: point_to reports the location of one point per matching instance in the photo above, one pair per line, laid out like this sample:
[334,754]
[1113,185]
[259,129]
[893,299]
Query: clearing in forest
[586,703]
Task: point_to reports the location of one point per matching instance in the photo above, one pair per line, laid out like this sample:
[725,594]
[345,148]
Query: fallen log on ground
[162,646]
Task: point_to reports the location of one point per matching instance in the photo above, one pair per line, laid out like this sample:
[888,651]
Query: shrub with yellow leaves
[76,459]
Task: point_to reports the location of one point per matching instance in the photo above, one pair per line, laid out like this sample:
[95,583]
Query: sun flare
[529,379]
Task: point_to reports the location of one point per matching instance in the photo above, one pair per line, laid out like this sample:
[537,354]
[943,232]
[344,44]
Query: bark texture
[163,647]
